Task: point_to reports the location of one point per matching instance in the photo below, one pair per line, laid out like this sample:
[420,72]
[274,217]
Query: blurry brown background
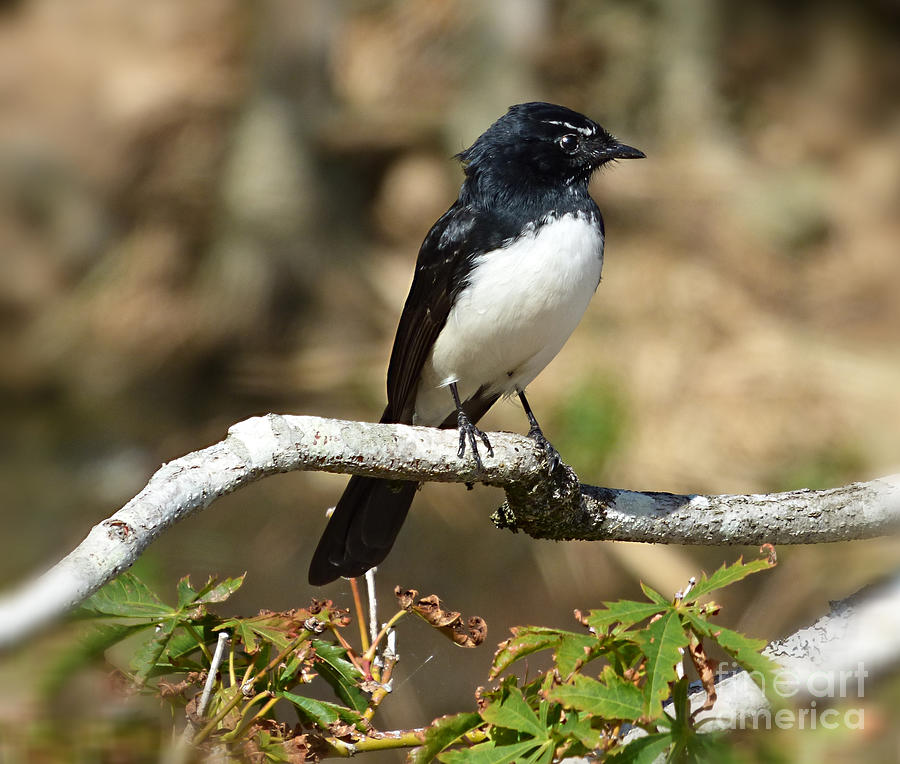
[210,210]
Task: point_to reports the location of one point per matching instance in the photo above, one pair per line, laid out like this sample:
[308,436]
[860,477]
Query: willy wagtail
[501,281]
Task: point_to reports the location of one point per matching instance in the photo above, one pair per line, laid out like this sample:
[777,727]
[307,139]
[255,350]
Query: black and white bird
[501,281]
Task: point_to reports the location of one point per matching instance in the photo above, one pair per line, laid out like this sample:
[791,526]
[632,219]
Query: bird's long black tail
[362,528]
[370,513]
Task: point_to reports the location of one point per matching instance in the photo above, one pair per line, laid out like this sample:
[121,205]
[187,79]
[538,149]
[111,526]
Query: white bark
[556,508]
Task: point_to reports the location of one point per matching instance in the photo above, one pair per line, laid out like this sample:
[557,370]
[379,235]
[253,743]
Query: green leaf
[514,713]
[320,712]
[575,648]
[443,733]
[660,643]
[489,753]
[654,595]
[341,674]
[145,657]
[610,698]
[727,574]
[272,747]
[642,750]
[680,727]
[578,726]
[186,593]
[219,591]
[270,627]
[624,613]
[746,651]
[624,655]
[291,666]
[570,647]
[243,632]
[525,641]
[127,597]
[183,641]
[542,755]
[680,703]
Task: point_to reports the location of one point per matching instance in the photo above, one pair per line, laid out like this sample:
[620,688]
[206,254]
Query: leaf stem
[360,617]
[200,642]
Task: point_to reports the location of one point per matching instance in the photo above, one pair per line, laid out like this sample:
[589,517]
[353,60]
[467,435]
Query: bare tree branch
[556,508]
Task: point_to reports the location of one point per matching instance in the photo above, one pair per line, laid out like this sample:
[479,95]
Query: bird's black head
[540,145]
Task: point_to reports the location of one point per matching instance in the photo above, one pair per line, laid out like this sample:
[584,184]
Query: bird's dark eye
[569,143]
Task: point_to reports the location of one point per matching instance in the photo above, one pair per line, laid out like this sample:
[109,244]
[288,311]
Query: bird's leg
[537,435]
[468,432]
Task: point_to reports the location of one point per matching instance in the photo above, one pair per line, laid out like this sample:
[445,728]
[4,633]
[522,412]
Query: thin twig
[377,663]
[213,671]
[373,603]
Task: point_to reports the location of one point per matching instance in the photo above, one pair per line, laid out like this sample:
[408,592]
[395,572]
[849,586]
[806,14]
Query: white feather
[521,303]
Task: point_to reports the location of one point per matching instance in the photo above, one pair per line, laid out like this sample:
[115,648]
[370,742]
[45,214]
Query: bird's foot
[468,433]
[547,447]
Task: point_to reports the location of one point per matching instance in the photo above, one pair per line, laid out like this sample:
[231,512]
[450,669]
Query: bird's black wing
[368,516]
[445,258]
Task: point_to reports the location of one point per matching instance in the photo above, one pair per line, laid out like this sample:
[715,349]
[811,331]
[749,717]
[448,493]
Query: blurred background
[211,210]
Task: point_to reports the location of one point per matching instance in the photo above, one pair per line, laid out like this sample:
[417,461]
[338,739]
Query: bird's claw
[467,434]
[553,458]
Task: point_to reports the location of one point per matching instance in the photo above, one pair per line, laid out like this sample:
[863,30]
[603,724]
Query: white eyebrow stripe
[582,130]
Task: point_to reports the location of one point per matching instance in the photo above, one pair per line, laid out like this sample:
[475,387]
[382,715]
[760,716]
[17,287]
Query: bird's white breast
[520,305]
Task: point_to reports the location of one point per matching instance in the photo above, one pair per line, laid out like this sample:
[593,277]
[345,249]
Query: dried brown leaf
[168,690]
[480,701]
[430,608]
[405,597]
[190,711]
[706,669]
[341,729]
[472,635]
[297,749]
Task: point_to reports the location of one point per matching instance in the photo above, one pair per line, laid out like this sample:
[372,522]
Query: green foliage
[575,707]
[443,733]
[724,576]
[270,656]
[619,672]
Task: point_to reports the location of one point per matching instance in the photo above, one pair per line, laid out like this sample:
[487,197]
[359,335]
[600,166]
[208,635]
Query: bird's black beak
[621,151]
